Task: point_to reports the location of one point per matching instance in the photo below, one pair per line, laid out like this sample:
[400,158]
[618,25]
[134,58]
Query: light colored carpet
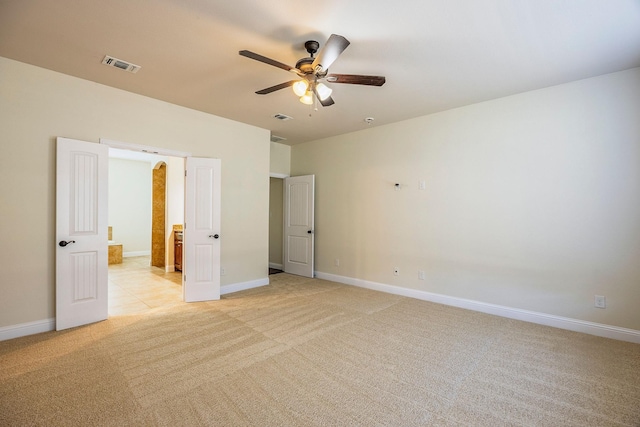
[307,352]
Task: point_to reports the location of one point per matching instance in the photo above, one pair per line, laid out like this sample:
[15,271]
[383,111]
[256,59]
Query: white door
[298,225]
[81,233]
[201,239]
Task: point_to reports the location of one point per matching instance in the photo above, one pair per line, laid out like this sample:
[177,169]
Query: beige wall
[530,201]
[38,105]
[130,204]
[280,159]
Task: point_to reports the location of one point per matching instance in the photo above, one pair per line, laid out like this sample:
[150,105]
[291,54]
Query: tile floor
[135,287]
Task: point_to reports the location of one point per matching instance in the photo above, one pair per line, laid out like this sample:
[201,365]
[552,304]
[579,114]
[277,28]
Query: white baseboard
[598,329]
[274,265]
[243,286]
[136,253]
[567,323]
[29,328]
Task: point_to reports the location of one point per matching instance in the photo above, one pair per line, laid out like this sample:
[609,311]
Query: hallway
[136,287]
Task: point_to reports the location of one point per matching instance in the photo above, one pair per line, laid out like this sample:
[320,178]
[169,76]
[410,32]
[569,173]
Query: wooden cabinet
[177,251]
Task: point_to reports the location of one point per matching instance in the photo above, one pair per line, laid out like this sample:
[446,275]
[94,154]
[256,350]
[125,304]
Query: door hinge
[185,173]
[185,277]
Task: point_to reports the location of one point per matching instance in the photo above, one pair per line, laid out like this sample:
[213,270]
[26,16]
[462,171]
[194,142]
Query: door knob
[63,243]
[214,236]
[310,231]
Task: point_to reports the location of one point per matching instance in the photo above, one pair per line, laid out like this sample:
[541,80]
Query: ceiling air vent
[283,117]
[119,63]
[276,138]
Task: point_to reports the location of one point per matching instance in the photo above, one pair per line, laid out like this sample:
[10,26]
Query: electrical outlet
[600,301]
[396,271]
[422,185]
[223,271]
[337,262]
[420,275]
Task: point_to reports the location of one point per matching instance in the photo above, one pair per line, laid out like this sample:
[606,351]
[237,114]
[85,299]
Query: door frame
[144,148]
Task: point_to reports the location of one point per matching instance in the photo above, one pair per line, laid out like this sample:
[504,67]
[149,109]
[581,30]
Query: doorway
[146,204]
[276,221]
[291,225]
[82,211]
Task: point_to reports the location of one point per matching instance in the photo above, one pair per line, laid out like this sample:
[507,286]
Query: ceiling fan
[312,71]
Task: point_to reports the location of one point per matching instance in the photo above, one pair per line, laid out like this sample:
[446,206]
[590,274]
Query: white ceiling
[435,54]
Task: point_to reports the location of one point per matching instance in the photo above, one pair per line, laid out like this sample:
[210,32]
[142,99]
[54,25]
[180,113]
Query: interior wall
[530,201]
[280,162]
[38,105]
[130,205]
[276,200]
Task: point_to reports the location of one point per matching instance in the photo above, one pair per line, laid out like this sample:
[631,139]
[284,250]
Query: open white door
[81,233]
[298,225]
[201,241]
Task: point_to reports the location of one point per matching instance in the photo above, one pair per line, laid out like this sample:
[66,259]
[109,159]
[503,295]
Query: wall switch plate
[420,275]
[600,301]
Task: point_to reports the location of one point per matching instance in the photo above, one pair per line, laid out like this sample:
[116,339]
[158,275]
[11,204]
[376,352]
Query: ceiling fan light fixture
[300,87]
[311,70]
[307,98]
[323,91]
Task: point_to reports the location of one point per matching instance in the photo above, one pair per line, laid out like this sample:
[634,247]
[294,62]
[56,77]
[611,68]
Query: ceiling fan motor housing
[304,65]
[312,47]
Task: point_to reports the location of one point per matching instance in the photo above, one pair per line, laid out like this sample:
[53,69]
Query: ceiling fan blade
[276,87]
[269,61]
[356,79]
[327,101]
[330,52]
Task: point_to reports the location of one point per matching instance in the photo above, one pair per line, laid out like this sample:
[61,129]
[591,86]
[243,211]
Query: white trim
[243,286]
[144,148]
[278,175]
[136,253]
[274,265]
[29,328]
[47,325]
[576,325]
